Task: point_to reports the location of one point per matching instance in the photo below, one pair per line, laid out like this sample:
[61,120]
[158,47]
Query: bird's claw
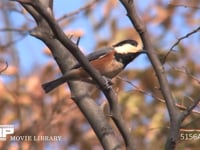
[108,83]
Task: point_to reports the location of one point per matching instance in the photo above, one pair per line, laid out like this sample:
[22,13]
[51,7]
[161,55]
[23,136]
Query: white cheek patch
[127,48]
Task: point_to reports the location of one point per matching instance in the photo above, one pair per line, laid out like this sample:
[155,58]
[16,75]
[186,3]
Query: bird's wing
[94,55]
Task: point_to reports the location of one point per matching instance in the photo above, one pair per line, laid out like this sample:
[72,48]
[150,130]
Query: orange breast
[108,67]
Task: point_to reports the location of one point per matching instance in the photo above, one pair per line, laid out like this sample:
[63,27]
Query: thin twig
[183,5]
[78,41]
[190,130]
[189,109]
[84,8]
[13,42]
[13,30]
[186,72]
[178,41]
[5,67]
[152,95]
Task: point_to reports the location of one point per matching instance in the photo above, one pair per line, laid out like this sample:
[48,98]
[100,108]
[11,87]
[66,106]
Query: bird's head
[128,46]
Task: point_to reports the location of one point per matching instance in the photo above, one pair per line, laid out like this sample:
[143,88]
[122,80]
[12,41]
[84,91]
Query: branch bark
[178,41]
[176,117]
[73,48]
[160,73]
[109,93]
[64,60]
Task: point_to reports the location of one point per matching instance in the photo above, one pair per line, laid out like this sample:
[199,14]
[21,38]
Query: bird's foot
[108,82]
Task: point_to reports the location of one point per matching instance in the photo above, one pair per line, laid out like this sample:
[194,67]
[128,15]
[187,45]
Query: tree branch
[183,5]
[178,41]
[109,93]
[86,7]
[68,44]
[87,105]
[5,67]
[160,73]
[189,109]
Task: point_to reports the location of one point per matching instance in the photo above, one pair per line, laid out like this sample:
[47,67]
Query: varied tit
[109,62]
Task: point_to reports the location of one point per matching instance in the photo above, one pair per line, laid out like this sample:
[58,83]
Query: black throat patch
[126,58]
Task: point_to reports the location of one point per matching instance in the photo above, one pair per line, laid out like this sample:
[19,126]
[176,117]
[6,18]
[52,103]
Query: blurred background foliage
[99,24]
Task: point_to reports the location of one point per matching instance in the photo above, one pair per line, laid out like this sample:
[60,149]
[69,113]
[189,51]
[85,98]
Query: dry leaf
[75,33]
[34,87]
[25,99]
[47,51]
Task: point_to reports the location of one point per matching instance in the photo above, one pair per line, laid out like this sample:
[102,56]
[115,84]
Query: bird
[108,61]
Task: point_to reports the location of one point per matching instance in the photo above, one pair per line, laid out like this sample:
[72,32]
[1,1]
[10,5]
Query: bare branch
[84,8]
[190,130]
[47,3]
[160,73]
[28,2]
[78,40]
[178,41]
[186,73]
[189,109]
[109,93]
[142,91]
[115,111]
[5,67]
[60,35]
[13,30]
[13,42]
[183,5]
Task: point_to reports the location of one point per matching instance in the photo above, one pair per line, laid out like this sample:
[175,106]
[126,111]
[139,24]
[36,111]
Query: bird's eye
[133,42]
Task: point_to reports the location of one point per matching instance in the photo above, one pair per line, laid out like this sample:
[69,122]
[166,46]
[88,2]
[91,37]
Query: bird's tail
[53,84]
